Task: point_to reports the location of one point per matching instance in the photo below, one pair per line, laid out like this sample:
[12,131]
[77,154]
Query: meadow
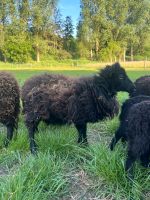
[64,170]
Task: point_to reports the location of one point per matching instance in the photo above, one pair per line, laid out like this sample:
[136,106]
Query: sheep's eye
[121,77]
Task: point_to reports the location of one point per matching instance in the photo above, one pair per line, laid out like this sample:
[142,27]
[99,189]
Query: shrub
[17,49]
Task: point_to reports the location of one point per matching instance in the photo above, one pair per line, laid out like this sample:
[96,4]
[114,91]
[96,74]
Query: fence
[74,65]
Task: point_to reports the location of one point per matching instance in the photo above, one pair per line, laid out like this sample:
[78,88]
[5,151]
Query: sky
[70,8]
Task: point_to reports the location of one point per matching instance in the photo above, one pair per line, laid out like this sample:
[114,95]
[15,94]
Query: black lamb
[56,99]
[142,85]
[9,103]
[123,118]
[138,134]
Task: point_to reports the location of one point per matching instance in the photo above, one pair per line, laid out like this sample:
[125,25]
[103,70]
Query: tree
[24,14]
[68,34]
[41,22]
[17,49]
[68,28]
[122,22]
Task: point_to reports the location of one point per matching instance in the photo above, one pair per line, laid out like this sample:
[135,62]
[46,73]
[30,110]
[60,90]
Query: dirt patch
[3,171]
[80,187]
[98,135]
[147,196]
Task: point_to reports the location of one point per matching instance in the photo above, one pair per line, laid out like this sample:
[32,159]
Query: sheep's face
[119,81]
[124,83]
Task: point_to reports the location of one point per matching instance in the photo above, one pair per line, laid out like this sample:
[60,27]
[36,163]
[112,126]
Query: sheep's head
[117,78]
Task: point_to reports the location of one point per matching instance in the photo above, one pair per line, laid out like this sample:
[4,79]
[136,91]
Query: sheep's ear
[109,71]
[117,65]
[104,69]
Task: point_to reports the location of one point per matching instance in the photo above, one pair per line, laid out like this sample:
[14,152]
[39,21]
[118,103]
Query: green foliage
[62,54]
[107,30]
[69,43]
[112,28]
[82,50]
[112,52]
[68,28]
[17,49]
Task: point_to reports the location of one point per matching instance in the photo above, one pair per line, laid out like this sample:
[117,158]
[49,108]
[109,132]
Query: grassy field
[63,170]
[74,65]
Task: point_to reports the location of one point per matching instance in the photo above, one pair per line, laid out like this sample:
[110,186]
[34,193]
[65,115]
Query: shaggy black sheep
[142,85]
[138,134]
[57,99]
[123,118]
[9,103]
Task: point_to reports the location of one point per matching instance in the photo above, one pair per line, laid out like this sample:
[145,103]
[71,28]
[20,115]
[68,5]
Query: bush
[17,49]
[62,54]
[82,51]
[112,52]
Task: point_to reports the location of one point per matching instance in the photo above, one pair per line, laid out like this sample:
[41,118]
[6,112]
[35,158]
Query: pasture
[64,170]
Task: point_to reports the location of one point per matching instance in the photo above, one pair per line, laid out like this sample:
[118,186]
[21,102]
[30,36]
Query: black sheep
[57,99]
[123,118]
[9,103]
[138,134]
[142,85]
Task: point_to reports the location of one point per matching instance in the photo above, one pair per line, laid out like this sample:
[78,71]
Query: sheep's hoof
[111,147]
[112,144]
[146,165]
[84,144]
[34,149]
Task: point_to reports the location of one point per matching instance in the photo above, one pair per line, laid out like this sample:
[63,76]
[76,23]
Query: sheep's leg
[33,145]
[32,127]
[10,129]
[129,164]
[116,138]
[145,159]
[82,138]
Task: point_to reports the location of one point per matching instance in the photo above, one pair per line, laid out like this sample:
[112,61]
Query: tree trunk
[131,53]
[5,59]
[91,54]
[111,60]
[124,55]
[37,55]
[96,47]
[54,44]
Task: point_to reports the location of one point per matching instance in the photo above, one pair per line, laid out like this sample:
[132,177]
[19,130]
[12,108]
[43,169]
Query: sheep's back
[51,80]
[142,86]
[129,103]
[47,96]
[139,120]
[9,96]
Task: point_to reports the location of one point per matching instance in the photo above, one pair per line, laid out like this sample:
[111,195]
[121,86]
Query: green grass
[23,75]
[64,170]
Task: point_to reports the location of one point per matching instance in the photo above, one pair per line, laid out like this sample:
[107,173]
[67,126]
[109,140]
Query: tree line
[106,30]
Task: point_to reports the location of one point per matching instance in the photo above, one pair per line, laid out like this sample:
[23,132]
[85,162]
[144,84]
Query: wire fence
[74,65]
